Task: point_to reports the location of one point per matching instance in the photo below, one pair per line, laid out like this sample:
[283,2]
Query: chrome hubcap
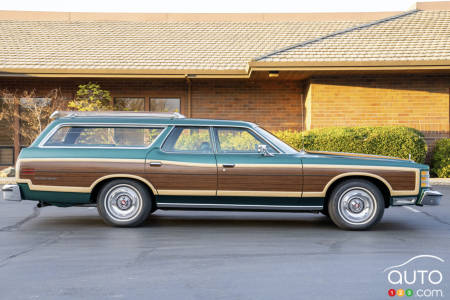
[357,205]
[123,202]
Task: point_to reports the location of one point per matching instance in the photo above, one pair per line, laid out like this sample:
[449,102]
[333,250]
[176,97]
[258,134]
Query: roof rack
[117,114]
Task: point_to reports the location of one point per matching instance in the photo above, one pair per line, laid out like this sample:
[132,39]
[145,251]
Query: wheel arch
[99,183]
[381,183]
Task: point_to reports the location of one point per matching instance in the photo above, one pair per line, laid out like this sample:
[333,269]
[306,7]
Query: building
[299,71]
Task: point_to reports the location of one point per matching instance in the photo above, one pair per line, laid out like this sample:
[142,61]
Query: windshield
[275,141]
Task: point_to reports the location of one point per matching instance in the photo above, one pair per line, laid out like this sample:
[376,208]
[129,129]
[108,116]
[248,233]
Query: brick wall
[421,102]
[274,104]
[418,101]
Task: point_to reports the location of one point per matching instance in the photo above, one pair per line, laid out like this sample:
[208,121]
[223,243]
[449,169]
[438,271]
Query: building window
[6,156]
[129,104]
[165,104]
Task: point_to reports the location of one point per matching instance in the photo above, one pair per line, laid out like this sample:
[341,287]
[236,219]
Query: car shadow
[214,220]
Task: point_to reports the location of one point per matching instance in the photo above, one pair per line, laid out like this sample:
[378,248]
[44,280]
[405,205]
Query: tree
[26,115]
[90,97]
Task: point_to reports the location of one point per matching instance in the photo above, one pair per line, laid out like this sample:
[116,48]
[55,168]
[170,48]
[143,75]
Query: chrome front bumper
[11,192]
[430,197]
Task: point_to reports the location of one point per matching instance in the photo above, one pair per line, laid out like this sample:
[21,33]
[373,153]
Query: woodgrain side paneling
[315,179]
[260,183]
[260,178]
[172,176]
[168,181]
[75,173]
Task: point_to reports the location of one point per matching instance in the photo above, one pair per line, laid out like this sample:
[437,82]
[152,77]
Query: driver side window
[189,139]
[239,140]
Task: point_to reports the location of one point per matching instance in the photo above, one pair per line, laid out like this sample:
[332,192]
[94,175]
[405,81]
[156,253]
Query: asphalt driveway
[68,253]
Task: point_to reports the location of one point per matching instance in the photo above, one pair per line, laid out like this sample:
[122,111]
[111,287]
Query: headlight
[424,178]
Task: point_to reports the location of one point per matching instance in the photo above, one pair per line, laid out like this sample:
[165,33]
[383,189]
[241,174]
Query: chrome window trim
[125,125]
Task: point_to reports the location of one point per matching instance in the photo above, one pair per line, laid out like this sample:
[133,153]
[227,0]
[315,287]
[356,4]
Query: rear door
[184,169]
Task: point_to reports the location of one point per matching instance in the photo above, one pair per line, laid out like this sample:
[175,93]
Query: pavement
[69,253]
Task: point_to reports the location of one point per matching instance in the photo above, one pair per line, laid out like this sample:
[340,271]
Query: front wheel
[356,205]
[124,203]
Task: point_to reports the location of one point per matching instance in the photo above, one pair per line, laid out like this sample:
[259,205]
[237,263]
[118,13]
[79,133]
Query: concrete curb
[440,181]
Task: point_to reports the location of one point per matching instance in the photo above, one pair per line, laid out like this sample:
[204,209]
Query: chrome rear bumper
[11,192]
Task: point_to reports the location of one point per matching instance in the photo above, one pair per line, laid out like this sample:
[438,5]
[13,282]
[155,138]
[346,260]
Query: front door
[184,169]
[247,177]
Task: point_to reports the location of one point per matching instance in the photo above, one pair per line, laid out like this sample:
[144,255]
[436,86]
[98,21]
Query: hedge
[440,161]
[393,141]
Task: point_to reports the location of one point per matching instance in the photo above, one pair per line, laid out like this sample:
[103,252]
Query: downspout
[189,96]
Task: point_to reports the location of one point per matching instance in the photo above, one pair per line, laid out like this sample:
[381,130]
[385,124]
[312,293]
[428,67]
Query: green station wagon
[131,164]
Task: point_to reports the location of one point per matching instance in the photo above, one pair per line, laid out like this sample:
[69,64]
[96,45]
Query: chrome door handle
[228,165]
[155,164]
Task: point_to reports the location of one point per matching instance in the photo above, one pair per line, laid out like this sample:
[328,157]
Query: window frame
[211,138]
[214,139]
[109,125]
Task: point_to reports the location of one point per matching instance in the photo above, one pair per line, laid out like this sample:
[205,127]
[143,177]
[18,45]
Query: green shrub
[440,161]
[390,141]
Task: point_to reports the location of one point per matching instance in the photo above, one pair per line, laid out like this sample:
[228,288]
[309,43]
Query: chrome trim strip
[237,206]
[124,125]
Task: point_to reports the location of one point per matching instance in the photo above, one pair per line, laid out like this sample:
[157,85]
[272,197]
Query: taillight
[27,171]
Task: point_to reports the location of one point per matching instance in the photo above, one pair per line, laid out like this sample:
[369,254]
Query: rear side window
[82,136]
[189,139]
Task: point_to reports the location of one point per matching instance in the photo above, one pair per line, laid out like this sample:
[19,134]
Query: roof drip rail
[115,114]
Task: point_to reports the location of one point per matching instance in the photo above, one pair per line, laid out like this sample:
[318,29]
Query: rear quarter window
[87,136]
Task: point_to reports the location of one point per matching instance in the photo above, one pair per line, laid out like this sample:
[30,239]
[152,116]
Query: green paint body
[154,153]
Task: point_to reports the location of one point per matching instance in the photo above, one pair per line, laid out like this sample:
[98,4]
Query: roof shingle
[419,36]
[149,45]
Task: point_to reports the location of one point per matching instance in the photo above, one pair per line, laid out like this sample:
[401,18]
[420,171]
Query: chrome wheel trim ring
[357,205]
[123,202]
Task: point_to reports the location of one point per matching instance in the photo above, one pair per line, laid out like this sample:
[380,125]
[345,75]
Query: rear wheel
[124,203]
[356,205]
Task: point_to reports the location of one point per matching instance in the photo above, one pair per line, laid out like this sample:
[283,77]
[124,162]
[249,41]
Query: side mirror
[263,150]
